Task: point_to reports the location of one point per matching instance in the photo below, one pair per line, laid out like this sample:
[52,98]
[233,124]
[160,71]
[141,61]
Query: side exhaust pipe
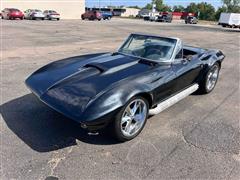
[173,100]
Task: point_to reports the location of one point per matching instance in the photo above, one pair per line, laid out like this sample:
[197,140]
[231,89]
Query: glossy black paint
[91,89]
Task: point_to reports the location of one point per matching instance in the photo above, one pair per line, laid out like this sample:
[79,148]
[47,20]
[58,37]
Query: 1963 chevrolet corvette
[119,90]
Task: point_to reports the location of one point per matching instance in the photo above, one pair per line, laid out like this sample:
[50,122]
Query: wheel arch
[147,96]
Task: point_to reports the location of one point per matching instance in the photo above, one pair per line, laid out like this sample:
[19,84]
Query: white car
[51,14]
[34,14]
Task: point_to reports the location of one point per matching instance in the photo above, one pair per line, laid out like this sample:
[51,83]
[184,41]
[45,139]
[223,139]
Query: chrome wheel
[133,117]
[212,78]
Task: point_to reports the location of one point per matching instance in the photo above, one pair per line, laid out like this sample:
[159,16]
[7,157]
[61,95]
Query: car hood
[73,82]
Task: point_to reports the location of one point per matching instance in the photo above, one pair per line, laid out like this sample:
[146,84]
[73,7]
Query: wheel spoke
[129,111]
[135,107]
[133,117]
[212,78]
[125,119]
[128,126]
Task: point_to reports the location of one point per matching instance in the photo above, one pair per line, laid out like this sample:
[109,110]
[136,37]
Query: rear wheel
[131,119]
[210,79]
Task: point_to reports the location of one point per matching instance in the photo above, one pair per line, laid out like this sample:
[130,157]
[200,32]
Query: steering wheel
[154,51]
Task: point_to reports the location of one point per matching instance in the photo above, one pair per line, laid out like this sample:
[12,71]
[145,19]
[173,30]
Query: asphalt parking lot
[198,138]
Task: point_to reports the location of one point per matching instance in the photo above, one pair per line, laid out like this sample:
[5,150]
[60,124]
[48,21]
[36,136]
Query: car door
[164,81]
[186,70]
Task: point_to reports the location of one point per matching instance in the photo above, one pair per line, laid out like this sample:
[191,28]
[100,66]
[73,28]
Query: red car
[12,13]
[92,15]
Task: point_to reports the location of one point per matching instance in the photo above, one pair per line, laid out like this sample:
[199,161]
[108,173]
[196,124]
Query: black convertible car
[119,90]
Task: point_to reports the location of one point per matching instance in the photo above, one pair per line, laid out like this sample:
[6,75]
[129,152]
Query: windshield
[149,47]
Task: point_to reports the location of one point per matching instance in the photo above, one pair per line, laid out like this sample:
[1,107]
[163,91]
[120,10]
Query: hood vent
[98,66]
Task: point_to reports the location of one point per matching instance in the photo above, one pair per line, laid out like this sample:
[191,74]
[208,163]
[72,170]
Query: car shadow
[43,129]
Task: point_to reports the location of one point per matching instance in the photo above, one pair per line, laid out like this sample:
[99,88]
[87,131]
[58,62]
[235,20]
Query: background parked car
[92,15]
[164,18]
[153,16]
[12,13]
[106,15]
[51,14]
[34,14]
[191,20]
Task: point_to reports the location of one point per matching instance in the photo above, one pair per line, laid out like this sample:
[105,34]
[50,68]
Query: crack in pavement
[56,159]
[200,121]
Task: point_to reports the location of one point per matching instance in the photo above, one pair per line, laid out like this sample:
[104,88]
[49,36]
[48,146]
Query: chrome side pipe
[173,100]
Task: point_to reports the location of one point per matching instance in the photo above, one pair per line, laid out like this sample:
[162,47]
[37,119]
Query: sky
[142,3]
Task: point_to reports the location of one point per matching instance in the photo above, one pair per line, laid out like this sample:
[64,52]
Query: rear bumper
[54,16]
[38,16]
[16,16]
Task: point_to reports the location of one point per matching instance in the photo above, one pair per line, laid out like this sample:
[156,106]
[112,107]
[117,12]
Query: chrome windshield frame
[177,47]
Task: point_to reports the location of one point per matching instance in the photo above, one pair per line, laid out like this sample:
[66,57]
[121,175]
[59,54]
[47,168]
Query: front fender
[112,100]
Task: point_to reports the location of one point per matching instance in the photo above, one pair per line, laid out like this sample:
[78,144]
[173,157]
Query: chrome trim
[173,100]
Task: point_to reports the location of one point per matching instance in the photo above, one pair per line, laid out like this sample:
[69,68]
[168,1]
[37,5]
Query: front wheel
[131,119]
[210,79]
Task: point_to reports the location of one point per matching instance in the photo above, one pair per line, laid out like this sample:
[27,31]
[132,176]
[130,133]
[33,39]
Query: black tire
[204,84]
[119,135]
[58,19]
[43,19]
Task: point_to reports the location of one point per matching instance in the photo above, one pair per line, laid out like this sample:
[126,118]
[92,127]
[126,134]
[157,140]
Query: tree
[207,11]
[159,4]
[136,7]
[219,11]
[232,6]
[148,6]
[178,8]
[192,8]
[166,8]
